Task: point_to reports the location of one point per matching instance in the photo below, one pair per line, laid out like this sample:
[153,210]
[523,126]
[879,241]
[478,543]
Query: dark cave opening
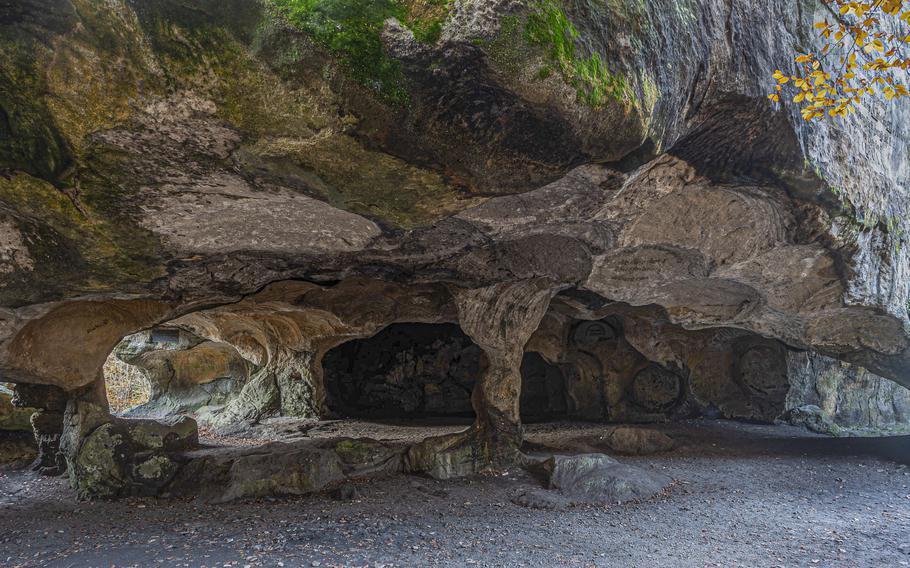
[544,395]
[407,370]
[417,371]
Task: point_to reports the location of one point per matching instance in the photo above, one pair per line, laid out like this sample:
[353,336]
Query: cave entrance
[544,395]
[126,385]
[407,370]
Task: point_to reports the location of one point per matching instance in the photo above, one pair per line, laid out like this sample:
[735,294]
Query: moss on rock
[97,471]
[130,457]
[92,249]
[347,175]
[31,139]
[549,27]
[352,30]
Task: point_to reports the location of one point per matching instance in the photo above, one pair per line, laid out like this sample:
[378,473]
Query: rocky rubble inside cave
[437,220]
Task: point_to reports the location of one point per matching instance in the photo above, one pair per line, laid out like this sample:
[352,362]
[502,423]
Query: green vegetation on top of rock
[352,30]
[549,27]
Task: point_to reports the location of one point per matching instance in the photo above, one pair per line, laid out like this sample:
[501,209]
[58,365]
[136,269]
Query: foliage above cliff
[863,55]
[352,29]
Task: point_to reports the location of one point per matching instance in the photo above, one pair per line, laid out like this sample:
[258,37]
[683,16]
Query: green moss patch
[352,30]
[549,27]
[30,140]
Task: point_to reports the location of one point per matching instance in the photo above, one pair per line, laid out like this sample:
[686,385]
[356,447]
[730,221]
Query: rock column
[500,319]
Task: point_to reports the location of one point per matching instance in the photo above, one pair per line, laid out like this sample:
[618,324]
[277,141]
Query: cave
[544,395]
[453,283]
[404,371]
[414,371]
[125,385]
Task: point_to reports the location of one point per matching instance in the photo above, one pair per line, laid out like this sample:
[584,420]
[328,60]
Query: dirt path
[746,496]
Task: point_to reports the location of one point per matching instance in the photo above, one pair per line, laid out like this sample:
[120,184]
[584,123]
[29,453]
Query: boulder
[280,469]
[130,457]
[271,472]
[601,480]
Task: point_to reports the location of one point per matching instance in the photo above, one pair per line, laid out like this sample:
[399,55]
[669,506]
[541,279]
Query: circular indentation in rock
[592,332]
[657,389]
[762,370]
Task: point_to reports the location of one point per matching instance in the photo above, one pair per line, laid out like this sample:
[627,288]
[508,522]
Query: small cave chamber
[587,370]
[168,371]
[544,394]
[406,371]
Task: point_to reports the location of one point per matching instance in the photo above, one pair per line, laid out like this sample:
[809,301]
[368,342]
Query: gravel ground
[745,495]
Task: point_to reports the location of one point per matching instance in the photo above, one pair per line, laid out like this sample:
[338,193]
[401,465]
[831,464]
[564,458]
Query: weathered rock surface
[403,371]
[600,479]
[47,404]
[851,398]
[185,374]
[130,457]
[813,418]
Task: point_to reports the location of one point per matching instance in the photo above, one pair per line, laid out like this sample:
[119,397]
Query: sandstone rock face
[848,397]
[184,372]
[654,231]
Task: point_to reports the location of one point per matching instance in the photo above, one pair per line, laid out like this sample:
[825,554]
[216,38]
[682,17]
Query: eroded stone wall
[847,398]
[613,364]
[186,373]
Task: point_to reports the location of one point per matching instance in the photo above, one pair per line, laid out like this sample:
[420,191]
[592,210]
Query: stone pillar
[86,410]
[499,319]
[47,424]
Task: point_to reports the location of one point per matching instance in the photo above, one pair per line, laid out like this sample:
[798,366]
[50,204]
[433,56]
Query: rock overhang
[234,162]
